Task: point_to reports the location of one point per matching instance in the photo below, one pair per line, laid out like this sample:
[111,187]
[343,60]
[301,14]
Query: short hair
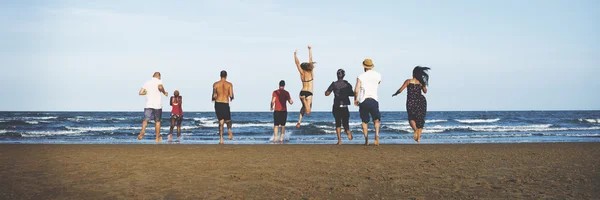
[223,74]
[155,74]
[282,83]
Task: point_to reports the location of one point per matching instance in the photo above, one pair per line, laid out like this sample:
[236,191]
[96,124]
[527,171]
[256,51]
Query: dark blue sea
[318,128]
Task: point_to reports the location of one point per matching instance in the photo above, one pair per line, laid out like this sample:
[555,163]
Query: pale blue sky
[484,55]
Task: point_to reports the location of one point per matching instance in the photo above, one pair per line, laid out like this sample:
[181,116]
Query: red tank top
[176,110]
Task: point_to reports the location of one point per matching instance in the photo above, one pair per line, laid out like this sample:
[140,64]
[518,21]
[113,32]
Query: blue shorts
[151,113]
[369,106]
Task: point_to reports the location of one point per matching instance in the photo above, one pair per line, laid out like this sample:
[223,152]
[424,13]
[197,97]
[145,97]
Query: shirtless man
[222,95]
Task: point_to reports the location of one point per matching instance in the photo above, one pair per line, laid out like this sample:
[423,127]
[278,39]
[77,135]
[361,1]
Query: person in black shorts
[278,103]
[342,90]
[222,95]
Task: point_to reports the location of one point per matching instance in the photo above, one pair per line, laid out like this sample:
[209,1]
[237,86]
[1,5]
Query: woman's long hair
[307,66]
[420,73]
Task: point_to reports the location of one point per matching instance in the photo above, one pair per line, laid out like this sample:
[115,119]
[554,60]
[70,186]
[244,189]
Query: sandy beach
[502,171]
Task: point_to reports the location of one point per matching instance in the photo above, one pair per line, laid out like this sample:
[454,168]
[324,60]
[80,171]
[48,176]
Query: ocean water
[317,128]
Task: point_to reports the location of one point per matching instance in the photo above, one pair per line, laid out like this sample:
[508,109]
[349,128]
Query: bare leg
[338,130]
[144,124]
[221,122]
[349,134]
[419,135]
[171,130]
[377,124]
[308,101]
[157,128]
[282,134]
[413,125]
[179,129]
[229,129]
[365,129]
[302,112]
[275,133]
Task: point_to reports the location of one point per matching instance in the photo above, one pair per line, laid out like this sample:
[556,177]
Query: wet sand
[482,171]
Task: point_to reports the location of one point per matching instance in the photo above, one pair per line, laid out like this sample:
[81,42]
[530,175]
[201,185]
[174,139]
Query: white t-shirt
[369,82]
[153,95]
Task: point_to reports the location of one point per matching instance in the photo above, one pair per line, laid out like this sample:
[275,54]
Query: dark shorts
[306,93]
[342,116]
[369,107]
[152,114]
[223,111]
[279,118]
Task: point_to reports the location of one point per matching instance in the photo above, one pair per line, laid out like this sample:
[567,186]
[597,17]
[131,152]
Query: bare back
[223,91]
[307,81]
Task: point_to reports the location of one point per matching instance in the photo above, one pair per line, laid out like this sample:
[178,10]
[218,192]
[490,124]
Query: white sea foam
[593,121]
[473,121]
[491,128]
[435,121]
[51,133]
[3,131]
[38,118]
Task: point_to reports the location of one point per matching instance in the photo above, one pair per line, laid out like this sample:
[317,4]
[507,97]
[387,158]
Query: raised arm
[358,84]
[297,61]
[142,92]
[162,90]
[402,88]
[310,54]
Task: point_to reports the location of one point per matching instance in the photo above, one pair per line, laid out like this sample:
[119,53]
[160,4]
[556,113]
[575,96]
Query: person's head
[368,64]
[223,74]
[341,74]
[281,84]
[176,93]
[420,73]
[307,66]
[156,75]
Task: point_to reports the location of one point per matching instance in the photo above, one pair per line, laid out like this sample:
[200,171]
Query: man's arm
[142,92]
[358,84]
[350,91]
[162,89]
[231,92]
[329,90]
[214,93]
[273,103]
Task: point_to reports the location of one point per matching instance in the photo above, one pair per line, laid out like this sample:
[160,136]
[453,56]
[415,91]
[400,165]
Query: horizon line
[516,110]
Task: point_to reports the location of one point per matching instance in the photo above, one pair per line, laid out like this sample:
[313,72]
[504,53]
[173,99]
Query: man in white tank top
[366,98]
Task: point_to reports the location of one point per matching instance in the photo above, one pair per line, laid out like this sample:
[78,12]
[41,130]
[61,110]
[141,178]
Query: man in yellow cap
[365,96]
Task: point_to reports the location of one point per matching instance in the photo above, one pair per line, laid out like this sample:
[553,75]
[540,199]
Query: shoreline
[424,171]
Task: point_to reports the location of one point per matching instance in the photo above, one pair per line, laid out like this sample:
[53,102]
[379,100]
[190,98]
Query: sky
[484,55]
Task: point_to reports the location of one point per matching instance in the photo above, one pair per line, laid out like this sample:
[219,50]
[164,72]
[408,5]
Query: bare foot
[230,134]
[281,139]
[376,142]
[275,139]
[141,136]
[339,142]
[349,136]
[366,142]
[298,125]
[221,141]
[170,138]
[158,139]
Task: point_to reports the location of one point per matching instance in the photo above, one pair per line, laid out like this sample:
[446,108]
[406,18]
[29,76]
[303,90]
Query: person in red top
[279,99]
[176,114]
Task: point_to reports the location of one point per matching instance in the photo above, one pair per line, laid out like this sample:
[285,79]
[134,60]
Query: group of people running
[365,97]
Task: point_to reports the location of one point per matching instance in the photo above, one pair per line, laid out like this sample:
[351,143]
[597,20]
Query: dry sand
[483,171]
